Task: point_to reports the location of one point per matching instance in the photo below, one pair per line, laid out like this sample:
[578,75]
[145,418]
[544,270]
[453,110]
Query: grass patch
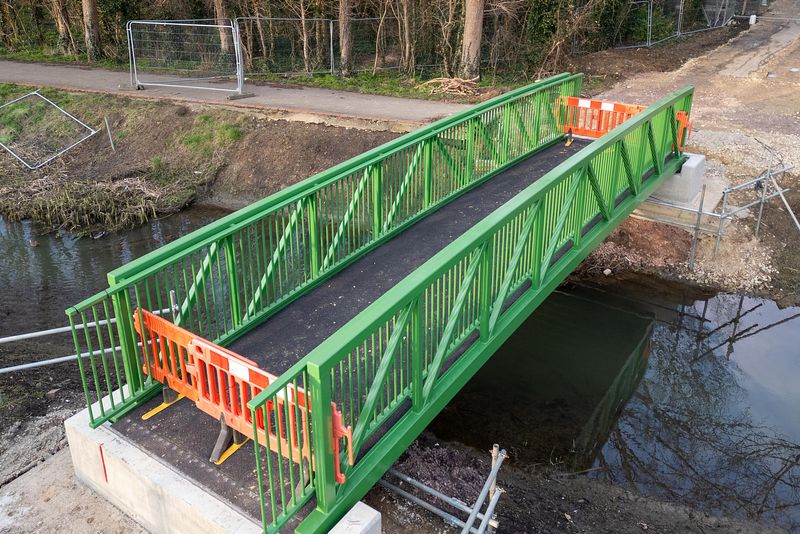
[389,83]
[210,133]
[47,55]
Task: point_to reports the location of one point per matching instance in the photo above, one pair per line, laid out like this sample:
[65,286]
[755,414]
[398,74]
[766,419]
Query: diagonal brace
[508,276]
[348,215]
[562,218]
[604,207]
[403,188]
[199,281]
[387,361]
[276,257]
[452,320]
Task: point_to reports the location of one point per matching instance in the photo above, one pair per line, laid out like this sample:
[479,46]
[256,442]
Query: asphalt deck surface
[183,436]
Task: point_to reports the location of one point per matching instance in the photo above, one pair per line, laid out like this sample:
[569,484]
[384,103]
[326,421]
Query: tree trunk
[91,30]
[8,25]
[471,41]
[304,36]
[66,43]
[225,35]
[407,14]
[345,37]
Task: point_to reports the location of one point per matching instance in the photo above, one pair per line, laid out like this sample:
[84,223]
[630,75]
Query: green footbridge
[370,294]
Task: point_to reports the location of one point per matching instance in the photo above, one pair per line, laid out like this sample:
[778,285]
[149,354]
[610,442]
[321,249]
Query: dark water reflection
[695,403]
[41,275]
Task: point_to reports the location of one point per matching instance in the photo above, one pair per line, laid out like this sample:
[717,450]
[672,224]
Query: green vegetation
[210,133]
[92,188]
[390,83]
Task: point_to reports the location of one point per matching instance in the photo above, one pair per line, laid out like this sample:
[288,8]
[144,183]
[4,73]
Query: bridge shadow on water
[691,401]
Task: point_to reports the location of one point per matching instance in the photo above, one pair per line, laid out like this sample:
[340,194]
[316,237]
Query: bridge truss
[396,364]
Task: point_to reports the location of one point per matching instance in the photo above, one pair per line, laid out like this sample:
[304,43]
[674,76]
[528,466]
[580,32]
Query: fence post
[127,341]
[233,280]
[427,155]
[333,57]
[650,24]
[132,57]
[237,50]
[680,16]
[417,355]
[322,424]
[485,289]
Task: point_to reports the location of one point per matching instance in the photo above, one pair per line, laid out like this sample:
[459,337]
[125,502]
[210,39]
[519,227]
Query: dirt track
[747,92]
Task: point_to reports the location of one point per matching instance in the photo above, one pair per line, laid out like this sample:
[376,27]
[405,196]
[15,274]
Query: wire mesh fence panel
[199,54]
[376,44]
[650,22]
[287,46]
[35,130]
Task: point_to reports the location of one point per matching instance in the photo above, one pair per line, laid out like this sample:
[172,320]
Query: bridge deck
[182,436]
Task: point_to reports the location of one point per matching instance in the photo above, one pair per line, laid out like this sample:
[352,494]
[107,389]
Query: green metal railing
[229,276]
[394,367]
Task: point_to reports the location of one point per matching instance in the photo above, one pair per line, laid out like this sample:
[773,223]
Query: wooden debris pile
[451,86]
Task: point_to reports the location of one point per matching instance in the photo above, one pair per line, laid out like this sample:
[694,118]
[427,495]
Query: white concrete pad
[683,187]
[361,519]
[154,495]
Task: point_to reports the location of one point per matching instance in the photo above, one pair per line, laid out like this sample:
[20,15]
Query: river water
[689,399]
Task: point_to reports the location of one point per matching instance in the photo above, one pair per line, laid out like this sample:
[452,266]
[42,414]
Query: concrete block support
[154,495]
[361,519]
[683,187]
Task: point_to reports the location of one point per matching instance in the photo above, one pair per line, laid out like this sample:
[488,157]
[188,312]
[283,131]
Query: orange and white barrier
[594,118]
[223,382]
[166,352]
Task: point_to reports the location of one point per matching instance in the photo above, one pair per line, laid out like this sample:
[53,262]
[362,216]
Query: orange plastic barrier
[166,352]
[683,126]
[594,118]
[223,382]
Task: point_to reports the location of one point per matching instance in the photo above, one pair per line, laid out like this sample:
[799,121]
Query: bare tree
[407,18]
[471,40]
[66,42]
[345,37]
[91,30]
[8,24]
[225,37]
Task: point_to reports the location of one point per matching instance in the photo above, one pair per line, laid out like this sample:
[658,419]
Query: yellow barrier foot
[229,451]
[160,408]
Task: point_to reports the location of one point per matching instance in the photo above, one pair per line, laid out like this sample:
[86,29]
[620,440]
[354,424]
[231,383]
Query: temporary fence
[197,54]
[221,383]
[649,22]
[594,118]
[288,45]
[36,130]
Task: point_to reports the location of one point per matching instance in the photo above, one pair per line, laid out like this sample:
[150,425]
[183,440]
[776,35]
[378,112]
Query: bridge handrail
[181,247]
[226,278]
[469,287]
